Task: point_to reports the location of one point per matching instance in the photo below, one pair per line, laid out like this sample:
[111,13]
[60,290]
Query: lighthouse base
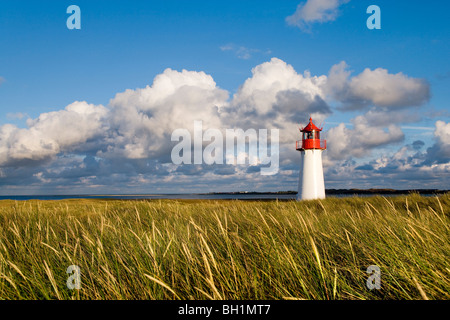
[311,184]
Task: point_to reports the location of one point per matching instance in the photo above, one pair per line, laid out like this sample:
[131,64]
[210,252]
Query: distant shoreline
[245,194]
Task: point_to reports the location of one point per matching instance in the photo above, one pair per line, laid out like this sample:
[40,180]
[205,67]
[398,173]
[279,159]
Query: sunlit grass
[167,249]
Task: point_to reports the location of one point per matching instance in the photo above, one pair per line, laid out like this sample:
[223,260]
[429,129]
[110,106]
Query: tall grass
[168,249]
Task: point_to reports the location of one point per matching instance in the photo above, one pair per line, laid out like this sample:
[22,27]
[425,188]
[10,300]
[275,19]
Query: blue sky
[45,67]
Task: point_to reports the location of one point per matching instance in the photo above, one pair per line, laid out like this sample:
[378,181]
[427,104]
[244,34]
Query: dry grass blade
[52,279]
[419,287]
[162,284]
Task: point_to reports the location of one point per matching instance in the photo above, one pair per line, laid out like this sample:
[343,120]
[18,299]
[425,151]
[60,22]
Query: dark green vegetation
[168,249]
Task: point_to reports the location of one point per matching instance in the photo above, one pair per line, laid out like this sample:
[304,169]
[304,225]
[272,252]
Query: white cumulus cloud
[375,88]
[52,133]
[276,96]
[344,143]
[142,120]
[440,151]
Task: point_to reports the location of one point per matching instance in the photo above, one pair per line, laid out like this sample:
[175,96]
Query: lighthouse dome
[310,127]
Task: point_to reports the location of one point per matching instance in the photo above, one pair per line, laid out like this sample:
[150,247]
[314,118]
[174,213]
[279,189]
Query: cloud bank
[126,144]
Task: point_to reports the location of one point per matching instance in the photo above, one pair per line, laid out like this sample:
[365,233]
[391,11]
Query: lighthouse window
[311,135]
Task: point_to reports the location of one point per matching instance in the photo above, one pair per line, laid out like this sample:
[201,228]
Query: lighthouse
[310,184]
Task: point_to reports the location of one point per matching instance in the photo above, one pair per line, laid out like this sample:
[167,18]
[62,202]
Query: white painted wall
[311,184]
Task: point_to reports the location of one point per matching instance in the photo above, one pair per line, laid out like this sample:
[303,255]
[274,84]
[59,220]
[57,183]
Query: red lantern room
[311,138]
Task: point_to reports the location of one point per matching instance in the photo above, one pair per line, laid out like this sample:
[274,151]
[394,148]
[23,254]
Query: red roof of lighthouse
[310,127]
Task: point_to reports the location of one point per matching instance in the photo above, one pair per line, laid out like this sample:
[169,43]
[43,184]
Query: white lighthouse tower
[311,185]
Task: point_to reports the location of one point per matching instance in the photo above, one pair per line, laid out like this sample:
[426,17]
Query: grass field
[167,249]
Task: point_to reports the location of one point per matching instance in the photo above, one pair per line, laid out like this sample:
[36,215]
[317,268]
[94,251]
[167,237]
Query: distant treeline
[385,191]
[350,191]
